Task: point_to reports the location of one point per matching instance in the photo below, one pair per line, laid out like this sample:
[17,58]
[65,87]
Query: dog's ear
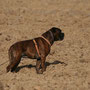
[53,29]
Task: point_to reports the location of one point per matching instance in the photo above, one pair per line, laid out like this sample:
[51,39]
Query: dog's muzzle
[62,36]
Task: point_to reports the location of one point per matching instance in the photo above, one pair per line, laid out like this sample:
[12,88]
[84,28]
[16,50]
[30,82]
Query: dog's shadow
[34,66]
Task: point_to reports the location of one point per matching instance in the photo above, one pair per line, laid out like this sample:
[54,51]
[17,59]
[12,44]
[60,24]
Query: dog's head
[57,33]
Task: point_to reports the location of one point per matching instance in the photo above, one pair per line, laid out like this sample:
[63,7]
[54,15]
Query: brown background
[27,19]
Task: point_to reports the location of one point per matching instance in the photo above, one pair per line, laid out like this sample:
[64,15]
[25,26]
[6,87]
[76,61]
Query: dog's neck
[49,36]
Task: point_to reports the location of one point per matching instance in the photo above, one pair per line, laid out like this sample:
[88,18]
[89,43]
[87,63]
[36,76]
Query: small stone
[37,88]
[0,33]
[8,38]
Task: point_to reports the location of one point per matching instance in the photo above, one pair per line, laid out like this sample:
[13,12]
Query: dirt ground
[68,64]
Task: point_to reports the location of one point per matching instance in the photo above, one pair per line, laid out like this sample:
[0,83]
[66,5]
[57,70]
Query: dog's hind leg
[15,63]
[12,66]
[15,58]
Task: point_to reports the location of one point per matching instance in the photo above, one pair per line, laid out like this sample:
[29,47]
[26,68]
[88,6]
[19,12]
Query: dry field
[68,64]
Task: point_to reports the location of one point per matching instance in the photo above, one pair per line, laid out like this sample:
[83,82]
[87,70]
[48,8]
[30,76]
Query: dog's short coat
[28,48]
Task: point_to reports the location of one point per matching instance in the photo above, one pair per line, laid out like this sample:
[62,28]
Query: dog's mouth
[61,36]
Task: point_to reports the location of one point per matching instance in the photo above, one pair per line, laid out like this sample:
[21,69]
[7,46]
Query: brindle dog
[28,48]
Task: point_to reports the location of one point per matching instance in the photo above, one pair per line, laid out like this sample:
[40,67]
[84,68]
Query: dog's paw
[8,68]
[40,71]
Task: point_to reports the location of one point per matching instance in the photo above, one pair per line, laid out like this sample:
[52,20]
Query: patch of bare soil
[68,64]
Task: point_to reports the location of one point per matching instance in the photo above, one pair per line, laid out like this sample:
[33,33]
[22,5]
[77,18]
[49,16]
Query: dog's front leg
[40,65]
[43,64]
